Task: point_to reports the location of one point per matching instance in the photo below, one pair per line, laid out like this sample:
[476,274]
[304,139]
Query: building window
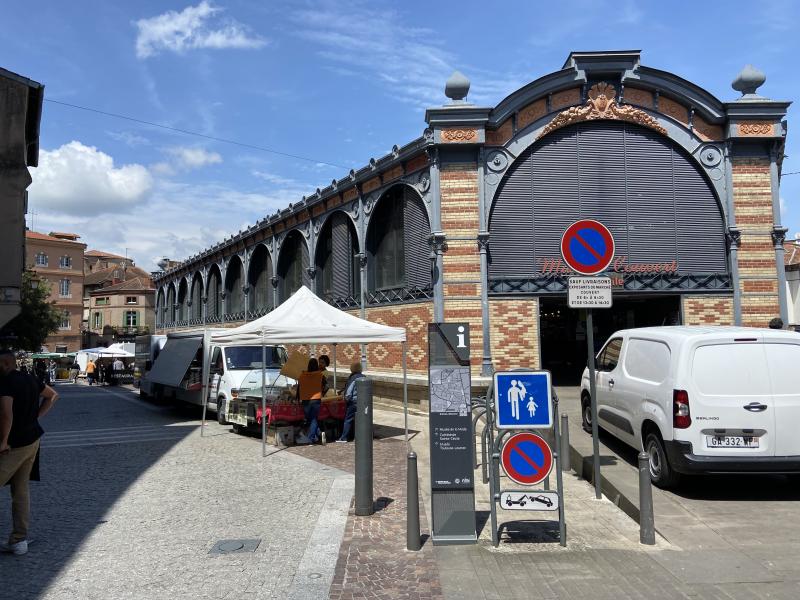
[63,288]
[131,318]
[387,244]
[65,262]
[65,320]
[98,320]
[61,349]
[101,301]
[41,259]
[131,300]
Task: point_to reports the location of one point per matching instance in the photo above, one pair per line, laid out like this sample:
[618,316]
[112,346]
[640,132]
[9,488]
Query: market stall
[307,319]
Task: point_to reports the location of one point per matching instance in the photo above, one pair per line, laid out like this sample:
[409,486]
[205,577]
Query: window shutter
[342,255]
[416,232]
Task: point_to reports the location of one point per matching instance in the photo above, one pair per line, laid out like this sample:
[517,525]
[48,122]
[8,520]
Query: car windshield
[249,357]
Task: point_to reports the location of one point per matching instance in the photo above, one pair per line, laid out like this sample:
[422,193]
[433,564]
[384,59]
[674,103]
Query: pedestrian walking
[351,401]
[91,371]
[20,411]
[74,369]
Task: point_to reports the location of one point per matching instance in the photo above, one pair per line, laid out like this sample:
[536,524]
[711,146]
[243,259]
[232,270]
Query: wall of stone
[515,333]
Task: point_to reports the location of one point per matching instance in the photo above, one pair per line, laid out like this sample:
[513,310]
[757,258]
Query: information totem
[451,435]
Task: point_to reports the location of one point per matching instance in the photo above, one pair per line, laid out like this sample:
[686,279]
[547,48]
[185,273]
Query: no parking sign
[587,247]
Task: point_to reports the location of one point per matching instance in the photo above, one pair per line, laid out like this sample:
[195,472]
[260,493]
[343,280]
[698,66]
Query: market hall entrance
[563,336]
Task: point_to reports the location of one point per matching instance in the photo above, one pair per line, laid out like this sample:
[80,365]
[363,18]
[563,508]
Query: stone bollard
[364,498]
[647,526]
[413,540]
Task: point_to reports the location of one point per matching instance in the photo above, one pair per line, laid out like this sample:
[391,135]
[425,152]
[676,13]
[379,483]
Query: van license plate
[731,441]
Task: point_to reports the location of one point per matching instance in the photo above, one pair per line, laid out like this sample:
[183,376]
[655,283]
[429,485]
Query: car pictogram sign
[587,247]
[527,458]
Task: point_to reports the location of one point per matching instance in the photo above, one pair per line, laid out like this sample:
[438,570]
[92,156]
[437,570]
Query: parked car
[701,399]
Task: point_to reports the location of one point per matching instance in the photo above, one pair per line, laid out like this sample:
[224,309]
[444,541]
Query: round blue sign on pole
[526,458]
[587,247]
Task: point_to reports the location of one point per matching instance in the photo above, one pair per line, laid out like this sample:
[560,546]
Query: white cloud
[272,178]
[783,206]
[128,138]
[191,29]
[81,180]
[185,158]
[374,43]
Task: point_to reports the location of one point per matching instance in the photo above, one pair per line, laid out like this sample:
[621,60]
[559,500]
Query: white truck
[177,373]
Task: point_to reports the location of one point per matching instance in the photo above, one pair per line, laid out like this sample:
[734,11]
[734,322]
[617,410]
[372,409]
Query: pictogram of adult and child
[516,394]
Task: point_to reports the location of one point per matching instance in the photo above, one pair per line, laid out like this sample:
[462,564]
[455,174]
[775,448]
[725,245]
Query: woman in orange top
[311,386]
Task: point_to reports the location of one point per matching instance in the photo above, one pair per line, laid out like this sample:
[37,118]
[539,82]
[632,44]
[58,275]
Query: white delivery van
[701,399]
[177,373]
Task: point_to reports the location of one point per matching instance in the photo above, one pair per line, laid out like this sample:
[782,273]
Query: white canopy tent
[113,351]
[307,319]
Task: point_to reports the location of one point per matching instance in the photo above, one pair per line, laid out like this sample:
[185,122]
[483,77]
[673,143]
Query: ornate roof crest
[602,104]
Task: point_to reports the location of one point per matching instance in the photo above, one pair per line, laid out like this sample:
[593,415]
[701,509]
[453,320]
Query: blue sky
[336,82]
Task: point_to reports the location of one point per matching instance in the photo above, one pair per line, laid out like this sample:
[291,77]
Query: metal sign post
[522,401]
[587,247]
[451,435]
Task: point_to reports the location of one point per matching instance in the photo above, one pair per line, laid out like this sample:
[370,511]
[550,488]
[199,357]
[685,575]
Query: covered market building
[464,223]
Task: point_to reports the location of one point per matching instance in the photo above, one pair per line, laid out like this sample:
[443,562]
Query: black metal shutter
[416,232]
[342,258]
[304,278]
[268,273]
[511,242]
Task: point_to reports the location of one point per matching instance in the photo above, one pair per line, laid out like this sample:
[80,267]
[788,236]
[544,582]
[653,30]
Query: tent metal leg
[405,393]
[334,367]
[263,399]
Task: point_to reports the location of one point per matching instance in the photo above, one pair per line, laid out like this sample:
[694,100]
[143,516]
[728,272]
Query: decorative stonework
[393,174]
[602,104]
[459,135]
[532,112]
[638,97]
[706,131]
[350,194]
[755,128]
[673,109]
[499,136]
[564,98]
[371,184]
[416,163]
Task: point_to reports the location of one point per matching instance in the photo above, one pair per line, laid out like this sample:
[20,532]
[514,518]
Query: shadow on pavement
[80,482]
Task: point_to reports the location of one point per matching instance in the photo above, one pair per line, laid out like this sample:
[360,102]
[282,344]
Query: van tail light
[681,418]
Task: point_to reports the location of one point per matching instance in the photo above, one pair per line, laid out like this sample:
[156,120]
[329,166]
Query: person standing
[20,431]
[311,384]
[351,401]
[91,369]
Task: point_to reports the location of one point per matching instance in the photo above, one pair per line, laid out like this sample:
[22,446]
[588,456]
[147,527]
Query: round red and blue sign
[587,247]
[526,458]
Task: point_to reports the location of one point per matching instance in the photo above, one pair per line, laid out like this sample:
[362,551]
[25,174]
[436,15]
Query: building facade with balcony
[57,260]
[121,311]
[464,223]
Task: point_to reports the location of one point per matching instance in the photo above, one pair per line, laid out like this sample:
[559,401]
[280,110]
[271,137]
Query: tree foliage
[37,319]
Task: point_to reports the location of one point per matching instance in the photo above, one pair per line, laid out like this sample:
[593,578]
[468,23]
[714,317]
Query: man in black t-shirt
[19,441]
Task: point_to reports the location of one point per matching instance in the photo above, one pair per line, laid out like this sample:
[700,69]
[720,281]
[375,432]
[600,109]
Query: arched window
[640,184]
[214,306]
[234,294]
[171,303]
[183,298]
[197,298]
[292,266]
[260,280]
[338,277]
[160,307]
[397,242]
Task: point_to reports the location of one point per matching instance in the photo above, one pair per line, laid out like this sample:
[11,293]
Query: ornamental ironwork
[403,294]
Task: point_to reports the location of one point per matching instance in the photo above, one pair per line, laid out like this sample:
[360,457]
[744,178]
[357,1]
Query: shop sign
[620,265]
[589,292]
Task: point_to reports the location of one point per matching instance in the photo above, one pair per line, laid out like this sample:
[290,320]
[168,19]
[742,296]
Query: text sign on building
[523,400]
[451,434]
[589,292]
[587,247]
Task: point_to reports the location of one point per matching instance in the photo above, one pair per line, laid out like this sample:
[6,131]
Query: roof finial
[457,87]
[748,81]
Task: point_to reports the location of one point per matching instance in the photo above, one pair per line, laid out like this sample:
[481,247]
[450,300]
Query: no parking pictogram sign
[587,247]
[527,458]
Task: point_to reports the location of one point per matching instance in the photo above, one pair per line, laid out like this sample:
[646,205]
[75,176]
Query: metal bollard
[564,450]
[647,526]
[413,540]
[364,499]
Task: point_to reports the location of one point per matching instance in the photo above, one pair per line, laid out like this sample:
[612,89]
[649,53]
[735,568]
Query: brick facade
[758,276]
[707,310]
[515,333]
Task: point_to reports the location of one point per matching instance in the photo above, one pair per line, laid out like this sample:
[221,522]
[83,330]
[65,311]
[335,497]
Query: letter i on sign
[460,336]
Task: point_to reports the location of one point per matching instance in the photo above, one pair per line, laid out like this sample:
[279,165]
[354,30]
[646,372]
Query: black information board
[451,435]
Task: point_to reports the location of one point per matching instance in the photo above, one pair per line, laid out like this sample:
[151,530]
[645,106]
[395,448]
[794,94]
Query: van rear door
[783,362]
[730,400]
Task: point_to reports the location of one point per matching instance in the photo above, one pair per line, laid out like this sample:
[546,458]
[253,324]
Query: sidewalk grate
[234,546]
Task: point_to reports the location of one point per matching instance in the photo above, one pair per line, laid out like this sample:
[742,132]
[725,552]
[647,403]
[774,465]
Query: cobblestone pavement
[132,499]
[373,561]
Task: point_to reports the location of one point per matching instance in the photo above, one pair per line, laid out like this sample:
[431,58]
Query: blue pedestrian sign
[523,400]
